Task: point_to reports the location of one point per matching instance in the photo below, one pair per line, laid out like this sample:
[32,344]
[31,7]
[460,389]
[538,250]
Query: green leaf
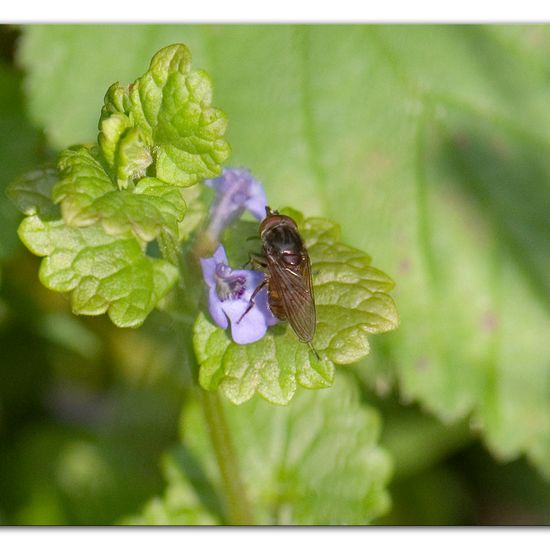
[314,462]
[109,208]
[169,111]
[103,273]
[31,193]
[87,195]
[352,303]
[124,147]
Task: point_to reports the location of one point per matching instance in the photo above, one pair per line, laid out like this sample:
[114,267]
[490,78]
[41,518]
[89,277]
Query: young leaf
[164,125]
[125,147]
[352,303]
[102,272]
[87,195]
[167,111]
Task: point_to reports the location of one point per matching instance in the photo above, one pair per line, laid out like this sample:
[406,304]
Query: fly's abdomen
[275,303]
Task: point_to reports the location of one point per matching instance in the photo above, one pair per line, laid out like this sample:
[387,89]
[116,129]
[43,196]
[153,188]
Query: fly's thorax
[280,237]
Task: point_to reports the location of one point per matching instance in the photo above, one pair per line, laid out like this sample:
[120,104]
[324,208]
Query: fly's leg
[310,345]
[256,260]
[252,302]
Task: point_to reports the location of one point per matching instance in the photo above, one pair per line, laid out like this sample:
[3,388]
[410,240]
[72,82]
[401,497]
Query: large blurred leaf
[429,144]
[315,461]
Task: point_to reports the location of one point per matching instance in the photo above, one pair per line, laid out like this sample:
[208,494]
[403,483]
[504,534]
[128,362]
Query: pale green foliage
[123,145]
[351,301]
[102,265]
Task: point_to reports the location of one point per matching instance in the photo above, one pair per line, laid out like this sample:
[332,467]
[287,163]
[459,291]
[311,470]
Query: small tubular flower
[236,191]
[229,293]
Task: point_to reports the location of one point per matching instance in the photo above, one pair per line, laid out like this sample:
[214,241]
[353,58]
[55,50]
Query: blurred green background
[430,145]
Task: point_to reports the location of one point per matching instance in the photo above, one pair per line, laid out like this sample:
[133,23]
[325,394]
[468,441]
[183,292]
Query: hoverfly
[285,261]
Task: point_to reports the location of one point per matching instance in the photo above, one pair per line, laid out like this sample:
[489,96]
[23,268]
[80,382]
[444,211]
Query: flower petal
[251,327]
[208,266]
[236,190]
[229,294]
[220,256]
[256,201]
[215,307]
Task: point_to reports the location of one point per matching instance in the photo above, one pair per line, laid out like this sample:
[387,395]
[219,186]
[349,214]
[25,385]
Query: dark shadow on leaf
[279,329]
[153,250]
[22,146]
[204,489]
[507,176]
[240,240]
[506,67]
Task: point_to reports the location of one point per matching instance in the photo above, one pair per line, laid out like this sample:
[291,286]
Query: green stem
[238,509]
[237,506]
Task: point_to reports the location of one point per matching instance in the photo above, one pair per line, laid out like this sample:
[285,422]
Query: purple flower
[229,292]
[237,191]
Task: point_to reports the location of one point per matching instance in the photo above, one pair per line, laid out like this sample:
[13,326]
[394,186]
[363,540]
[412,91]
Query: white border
[275,11]
[281,11]
[276,538]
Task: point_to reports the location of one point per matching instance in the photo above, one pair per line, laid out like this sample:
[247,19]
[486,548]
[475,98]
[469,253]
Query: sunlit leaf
[102,272]
[165,114]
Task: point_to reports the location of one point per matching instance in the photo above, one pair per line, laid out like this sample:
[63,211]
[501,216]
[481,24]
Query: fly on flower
[285,260]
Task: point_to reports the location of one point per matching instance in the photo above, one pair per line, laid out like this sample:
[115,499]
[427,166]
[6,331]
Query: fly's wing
[294,287]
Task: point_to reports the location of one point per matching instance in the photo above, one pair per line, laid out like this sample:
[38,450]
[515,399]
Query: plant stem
[238,509]
[237,506]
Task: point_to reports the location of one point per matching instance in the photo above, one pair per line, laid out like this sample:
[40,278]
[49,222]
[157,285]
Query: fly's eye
[292,259]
